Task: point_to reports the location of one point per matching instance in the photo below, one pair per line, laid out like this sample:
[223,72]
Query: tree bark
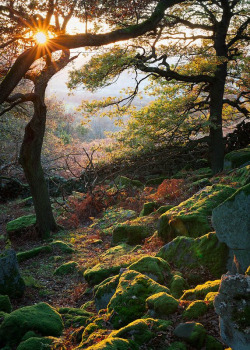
[30,159]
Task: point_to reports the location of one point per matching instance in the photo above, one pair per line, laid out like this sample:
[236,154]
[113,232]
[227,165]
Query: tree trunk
[30,159]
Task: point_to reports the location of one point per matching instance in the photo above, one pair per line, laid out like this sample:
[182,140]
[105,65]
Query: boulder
[177,285]
[104,291]
[37,343]
[196,309]
[11,189]
[191,217]
[68,268]
[148,208]
[130,234]
[231,221]
[205,251]
[28,254]
[232,304]
[74,317]
[5,305]
[161,304]
[11,283]
[201,290]
[124,181]
[41,318]
[237,158]
[20,224]
[111,344]
[98,273]
[193,333]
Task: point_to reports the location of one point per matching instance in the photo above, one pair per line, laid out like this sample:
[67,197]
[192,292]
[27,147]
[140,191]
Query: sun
[40,37]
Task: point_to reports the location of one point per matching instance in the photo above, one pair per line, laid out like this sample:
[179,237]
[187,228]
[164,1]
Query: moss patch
[177,285]
[28,254]
[195,309]
[104,291]
[149,208]
[21,223]
[64,247]
[237,158]
[74,317]
[36,343]
[161,304]
[124,181]
[112,344]
[5,304]
[66,269]
[200,291]
[100,272]
[130,234]
[193,333]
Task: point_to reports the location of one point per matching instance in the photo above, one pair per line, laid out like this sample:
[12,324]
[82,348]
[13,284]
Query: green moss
[240,176]
[155,268]
[129,300]
[210,297]
[112,344]
[195,309]
[242,318]
[64,247]
[142,330]
[126,182]
[21,223]
[130,234]
[213,344]
[205,251]
[190,218]
[156,181]
[177,345]
[32,282]
[236,158]
[74,317]
[200,291]
[193,333]
[66,269]
[36,343]
[28,254]
[177,286]
[161,304]
[148,208]
[100,272]
[5,304]
[164,208]
[104,291]
[41,318]
[29,334]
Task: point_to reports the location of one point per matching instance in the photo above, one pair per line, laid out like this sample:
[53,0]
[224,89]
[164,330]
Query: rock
[191,217]
[156,180]
[66,269]
[28,254]
[155,268]
[11,283]
[200,291]
[129,301]
[130,234]
[36,343]
[62,246]
[148,208]
[164,208]
[237,158]
[11,189]
[205,251]
[112,344]
[21,224]
[100,272]
[231,221]
[161,304]
[41,318]
[193,333]
[142,331]
[196,309]
[123,181]
[104,292]
[232,304]
[241,176]
[177,345]
[177,285]
[5,304]
[213,344]
[210,297]
[74,317]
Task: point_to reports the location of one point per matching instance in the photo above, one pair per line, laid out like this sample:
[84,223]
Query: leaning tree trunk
[30,159]
[216,106]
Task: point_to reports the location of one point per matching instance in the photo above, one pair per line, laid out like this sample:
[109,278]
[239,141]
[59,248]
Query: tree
[20,21]
[207,41]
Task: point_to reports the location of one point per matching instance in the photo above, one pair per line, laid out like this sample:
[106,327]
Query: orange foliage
[169,188]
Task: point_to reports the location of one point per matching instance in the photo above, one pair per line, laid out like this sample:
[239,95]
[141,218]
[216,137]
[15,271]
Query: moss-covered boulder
[28,254]
[130,234]
[200,291]
[241,176]
[191,217]
[237,158]
[177,285]
[161,304]
[193,333]
[142,331]
[74,317]
[155,268]
[123,181]
[112,344]
[62,246]
[149,208]
[5,304]
[213,344]
[209,298]
[205,251]
[36,343]
[66,269]
[11,282]
[98,273]
[177,345]
[129,301]
[196,309]
[104,291]
[164,208]
[41,318]
[231,221]
[20,224]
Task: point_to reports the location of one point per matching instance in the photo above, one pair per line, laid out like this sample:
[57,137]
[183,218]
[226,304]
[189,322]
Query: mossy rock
[247,271]
[191,332]
[237,158]
[119,250]
[156,180]
[130,234]
[28,254]
[149,208]
[129,301]
[95,327]
[205,251]
[74,317]
[20,224]
[241,176]
[161,304]
[196,309]
[200,291]
[66,269]
[213,344]
[104,291]
[177,285]
[62,246]
[30,281]
[177,345]
[164,208]
[41,318]
[112,344]
[209,298]
[5,304]
[155,268]
[98,273]
[141,331]
[36,344]
[191,217]
[124,181]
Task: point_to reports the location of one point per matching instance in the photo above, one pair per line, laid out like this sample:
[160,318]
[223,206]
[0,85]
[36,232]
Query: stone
[11,282]
[232,304]
[194,310]
[28,254]
[130,234]
[201,290]
[21,224]
[104,292]
[40,318]
[213,344]
[74,317]
[177,285]
[205,251]
[98,273]
[237,158]
[124,181]
[36,343]
[148,208]
[191,217]
[62,246]
[161,304]
[111,344]
[12,188]
[193,333]
[66,269]
[5,304]
[129,301]
[231,221]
